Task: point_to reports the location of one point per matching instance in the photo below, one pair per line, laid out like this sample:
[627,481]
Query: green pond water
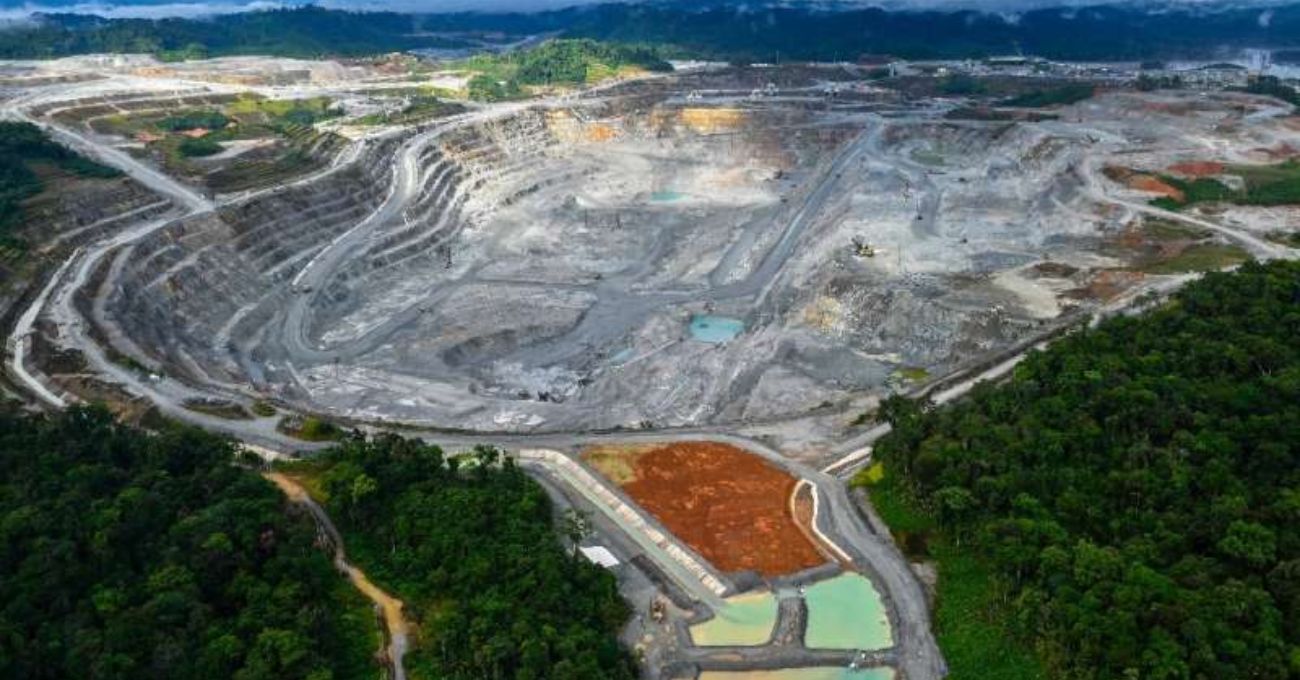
[846,612]
[819,673]
[742,620]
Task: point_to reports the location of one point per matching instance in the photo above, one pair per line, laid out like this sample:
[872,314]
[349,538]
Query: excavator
[861,248]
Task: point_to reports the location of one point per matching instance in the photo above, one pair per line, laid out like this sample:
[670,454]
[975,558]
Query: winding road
[614,312]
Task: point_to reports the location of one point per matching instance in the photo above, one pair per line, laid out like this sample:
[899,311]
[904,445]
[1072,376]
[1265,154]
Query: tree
[363,487]
[575,525]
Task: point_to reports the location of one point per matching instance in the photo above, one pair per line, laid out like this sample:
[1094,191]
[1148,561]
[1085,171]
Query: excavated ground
[729,505]
[541,269]
[674,252]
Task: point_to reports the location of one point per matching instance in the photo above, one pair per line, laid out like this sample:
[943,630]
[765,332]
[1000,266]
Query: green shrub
[197,147]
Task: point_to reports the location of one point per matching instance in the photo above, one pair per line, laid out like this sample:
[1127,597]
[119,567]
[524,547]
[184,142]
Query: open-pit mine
[676,297]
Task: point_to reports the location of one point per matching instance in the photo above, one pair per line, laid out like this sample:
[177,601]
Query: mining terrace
[678,252]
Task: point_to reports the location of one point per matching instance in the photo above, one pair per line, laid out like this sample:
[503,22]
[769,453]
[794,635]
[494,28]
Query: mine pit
[636,258]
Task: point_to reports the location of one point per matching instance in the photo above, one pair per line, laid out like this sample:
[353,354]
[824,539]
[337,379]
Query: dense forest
[133,555]
[23,147]
[1133,491]
[752,33]
[469,545]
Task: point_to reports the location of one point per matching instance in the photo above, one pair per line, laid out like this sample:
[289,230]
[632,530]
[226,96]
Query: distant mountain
[707,28]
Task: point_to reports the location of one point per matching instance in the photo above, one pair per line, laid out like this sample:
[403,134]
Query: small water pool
[742,620]
[816,673]
[846,612]
[715,329]
[666,196]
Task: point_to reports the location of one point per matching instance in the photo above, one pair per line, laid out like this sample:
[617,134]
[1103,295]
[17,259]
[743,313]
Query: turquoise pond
[846,612]
[741,620]
[666,196]
[715,329]
[816,673]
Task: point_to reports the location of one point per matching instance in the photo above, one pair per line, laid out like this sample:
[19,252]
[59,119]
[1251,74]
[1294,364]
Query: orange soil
[730,506]
[600,132]
[1196,168]
[1155,186]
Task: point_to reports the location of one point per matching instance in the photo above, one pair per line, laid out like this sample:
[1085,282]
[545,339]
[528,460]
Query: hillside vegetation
[1128,504]
[556,62]
[1277,184]
[723,32]
[469,545]
[128,555]
[24,148]
[298,32]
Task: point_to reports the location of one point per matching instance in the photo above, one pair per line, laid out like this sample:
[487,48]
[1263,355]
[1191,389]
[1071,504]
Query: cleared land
[728,505]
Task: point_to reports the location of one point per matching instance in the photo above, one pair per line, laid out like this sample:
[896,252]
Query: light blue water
[742,620]
[665,196]
[846,612]
[820,673]
[715,329]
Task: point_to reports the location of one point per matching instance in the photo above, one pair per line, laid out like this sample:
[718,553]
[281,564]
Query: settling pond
[816,673]
[846,612]
[742,620]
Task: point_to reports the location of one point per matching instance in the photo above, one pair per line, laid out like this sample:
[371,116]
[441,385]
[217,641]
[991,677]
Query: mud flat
[730,506]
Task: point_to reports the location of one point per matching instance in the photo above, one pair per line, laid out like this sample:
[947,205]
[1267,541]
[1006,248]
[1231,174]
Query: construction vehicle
[861,248]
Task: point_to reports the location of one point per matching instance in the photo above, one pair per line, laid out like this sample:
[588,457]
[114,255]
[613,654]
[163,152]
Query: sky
[12,10]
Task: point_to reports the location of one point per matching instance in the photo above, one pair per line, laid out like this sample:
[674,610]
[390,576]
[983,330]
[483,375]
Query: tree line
[132,555]
[1135,488]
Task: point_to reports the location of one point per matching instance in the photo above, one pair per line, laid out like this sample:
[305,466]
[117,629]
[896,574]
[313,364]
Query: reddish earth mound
[730,506]
[1155,186]
[1196,168]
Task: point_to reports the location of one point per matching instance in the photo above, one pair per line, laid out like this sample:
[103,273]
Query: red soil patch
[1196,168]
[1155,186]
[730,506]
[1111,282]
